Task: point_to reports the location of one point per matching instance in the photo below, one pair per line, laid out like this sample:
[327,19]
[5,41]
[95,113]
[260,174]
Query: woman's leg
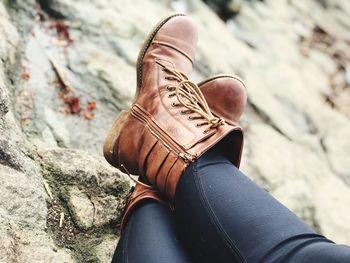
[149,237]
[223,216]
[320,252]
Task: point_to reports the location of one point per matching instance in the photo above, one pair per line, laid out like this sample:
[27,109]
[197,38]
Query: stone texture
[19,246]
[21,201]
[30,132]
[97,176]
[81,208]
[4,100]
[297,143]
[107,209]
[105,250]
[89,211]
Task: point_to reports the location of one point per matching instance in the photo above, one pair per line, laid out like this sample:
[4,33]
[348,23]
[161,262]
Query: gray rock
[57,126]
[329,3]
[30,246]
[306,154]
[21,201]
[4,100]
[9,41]
[347,74]
[225,8]
[107,210]
[89,171]
[92,211]
[105,250]
[81,208]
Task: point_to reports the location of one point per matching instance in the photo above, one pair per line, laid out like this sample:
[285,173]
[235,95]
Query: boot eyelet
[170,88]
[198,125]
[174,104]
[190,118]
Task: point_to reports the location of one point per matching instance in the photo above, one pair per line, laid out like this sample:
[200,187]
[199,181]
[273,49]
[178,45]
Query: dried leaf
[62,30]
[73,104]
[91,106]
[89,115]
[25,75]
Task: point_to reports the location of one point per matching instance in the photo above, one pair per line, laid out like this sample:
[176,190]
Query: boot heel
[112,137]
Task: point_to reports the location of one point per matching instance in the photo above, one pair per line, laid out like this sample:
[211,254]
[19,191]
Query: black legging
[222,216]
[150,236]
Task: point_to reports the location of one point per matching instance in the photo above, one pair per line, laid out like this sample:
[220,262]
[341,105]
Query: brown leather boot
[139,193]
[232,98]
[169,124]
[226,97]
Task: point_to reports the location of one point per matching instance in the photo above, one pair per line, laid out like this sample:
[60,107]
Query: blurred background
[67,68]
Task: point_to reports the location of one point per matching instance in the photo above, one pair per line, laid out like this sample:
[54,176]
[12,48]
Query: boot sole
[114,131]
[111,138]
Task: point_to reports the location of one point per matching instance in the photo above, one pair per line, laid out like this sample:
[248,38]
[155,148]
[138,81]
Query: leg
[149,237]
[225,217]
[319,252]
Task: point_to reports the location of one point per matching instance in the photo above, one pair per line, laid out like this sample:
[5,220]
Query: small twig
[47,188]
[133,179]
[94,214]
[61,219]
[59,72]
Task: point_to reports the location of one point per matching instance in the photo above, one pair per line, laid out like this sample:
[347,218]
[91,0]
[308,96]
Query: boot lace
[135,180]
[190,96]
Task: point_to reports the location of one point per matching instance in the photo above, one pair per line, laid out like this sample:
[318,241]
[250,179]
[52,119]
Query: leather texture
[226,97]
[156,138]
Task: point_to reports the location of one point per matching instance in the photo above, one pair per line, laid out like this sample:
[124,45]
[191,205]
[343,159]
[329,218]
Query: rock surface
[60,200]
